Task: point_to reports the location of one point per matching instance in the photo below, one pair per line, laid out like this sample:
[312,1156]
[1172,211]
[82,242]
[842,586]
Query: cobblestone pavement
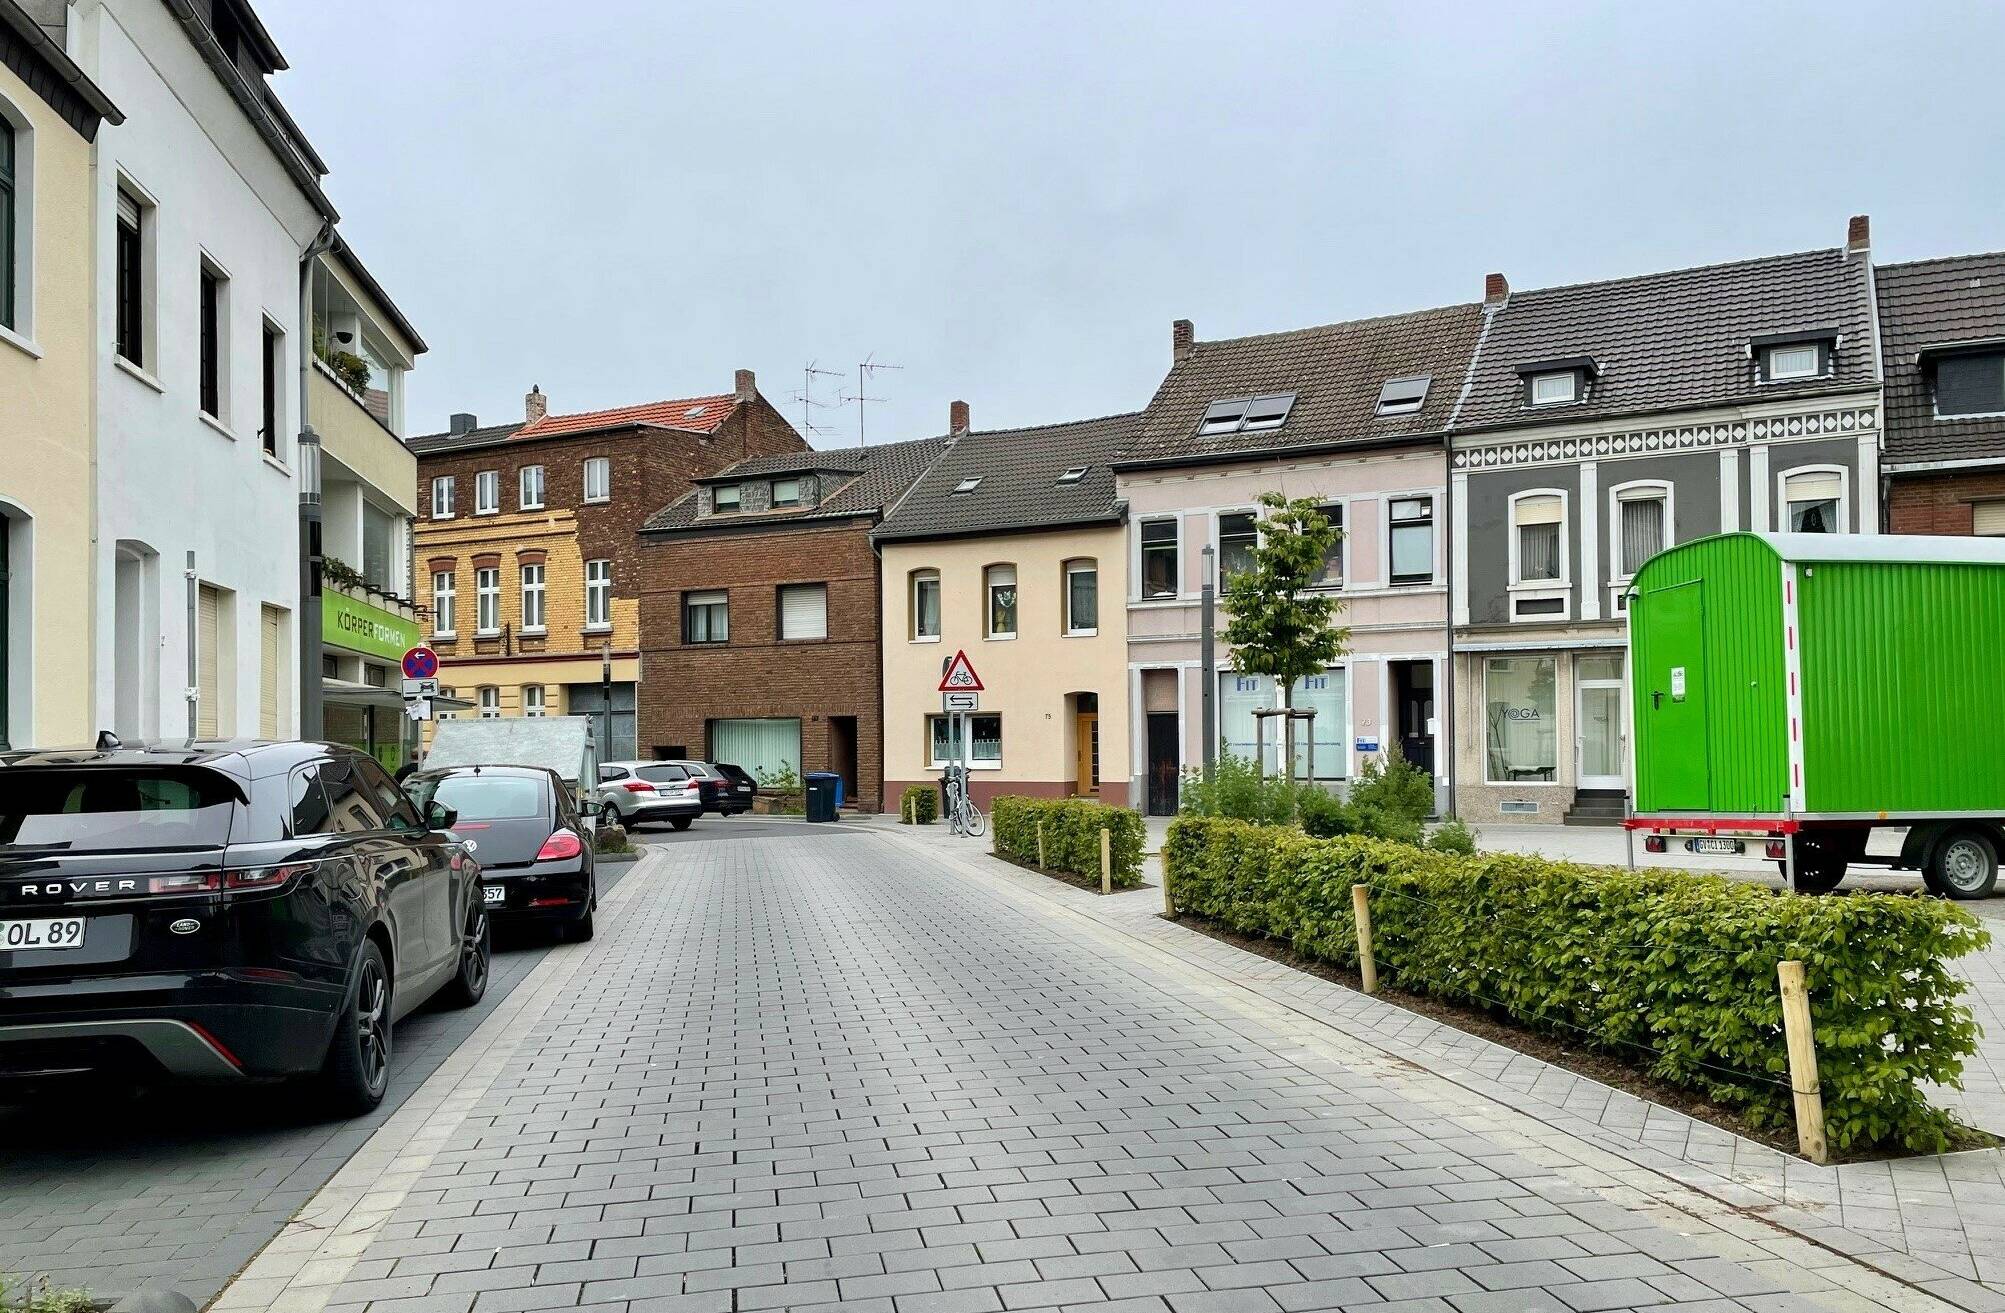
[885,1077]
[180,1186]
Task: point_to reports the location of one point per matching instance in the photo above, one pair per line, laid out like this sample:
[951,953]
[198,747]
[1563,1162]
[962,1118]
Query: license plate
[1725,847]
[492,894]
[61,932]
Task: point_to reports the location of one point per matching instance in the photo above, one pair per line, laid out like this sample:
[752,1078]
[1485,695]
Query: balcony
[359,441]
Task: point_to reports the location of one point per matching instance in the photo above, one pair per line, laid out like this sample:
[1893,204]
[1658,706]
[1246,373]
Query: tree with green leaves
[1279,624]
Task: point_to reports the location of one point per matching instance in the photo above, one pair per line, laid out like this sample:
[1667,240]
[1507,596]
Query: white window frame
[147,207]
[219,417]
[989,606]
[1135,571]
[913,579]
[535,701]
[522,481]
[935,763]
[22,332]
[1483,744]
[1342,506]
[538,592]
[442,483]
[1637,490]
[1798,471]
[445,604]
[1539,590]
[603,466]
[1218,515]
[487,492]
[486,596]
[780,613]
[599,596]
[1572,377]
[1081,565]
[488,701]
[1769,373]
[1437,501]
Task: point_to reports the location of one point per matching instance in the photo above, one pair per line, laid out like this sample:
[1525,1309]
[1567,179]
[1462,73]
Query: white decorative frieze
[1518,451]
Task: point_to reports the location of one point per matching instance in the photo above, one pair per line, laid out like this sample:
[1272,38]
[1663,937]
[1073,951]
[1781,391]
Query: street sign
[420,688]
[960,675]
[420,663]
[960,700]
[418,708]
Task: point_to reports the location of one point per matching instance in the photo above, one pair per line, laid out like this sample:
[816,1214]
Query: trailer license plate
[1726,847]
[63,932]
[491,894]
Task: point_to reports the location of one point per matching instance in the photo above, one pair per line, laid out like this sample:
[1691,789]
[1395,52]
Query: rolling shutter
[1816,487]
[208,687]
[761,747]
[268,676]
[1988,518]
[804,611]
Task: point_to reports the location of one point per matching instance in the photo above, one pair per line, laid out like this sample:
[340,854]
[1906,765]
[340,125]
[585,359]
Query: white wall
[166,477]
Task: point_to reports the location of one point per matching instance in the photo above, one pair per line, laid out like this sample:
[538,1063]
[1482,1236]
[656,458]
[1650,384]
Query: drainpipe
[312,712]
[1445,747]
[1208,668]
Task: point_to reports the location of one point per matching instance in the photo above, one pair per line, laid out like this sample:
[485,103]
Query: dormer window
[1556,388]
[1557,382]
[967,485]
[1403,396]
[1246,414]
[1073,475]
[1971,384]
[1788,357]
[727,497]
[1793,362]
[786,492]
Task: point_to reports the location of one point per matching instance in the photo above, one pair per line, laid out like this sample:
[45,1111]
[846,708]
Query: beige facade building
[49,116]
[1012,550]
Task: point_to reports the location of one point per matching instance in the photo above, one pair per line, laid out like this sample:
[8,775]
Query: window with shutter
[208,685]
[1987,518]
[1539,520]
[1814,501]
[804,611]
[272,630]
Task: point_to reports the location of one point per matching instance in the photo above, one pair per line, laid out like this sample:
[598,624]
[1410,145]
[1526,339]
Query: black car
[739,788]
[535,854]
[229,910]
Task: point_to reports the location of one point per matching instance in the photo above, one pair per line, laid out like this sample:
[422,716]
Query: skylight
[1403,396]
[1073,475]
[967,485]
[1246,414]
[692,412]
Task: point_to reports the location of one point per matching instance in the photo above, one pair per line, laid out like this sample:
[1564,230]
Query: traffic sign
[420,688]
[960,675]
[960,700]
[420,663]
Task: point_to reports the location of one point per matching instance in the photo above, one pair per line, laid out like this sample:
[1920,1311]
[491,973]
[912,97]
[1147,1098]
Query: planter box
[778,804]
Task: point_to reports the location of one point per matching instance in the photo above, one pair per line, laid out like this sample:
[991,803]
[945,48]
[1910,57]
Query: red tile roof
[691,414]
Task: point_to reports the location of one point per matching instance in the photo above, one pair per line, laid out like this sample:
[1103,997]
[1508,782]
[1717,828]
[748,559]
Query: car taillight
[262,877]
[638,786]
[194,882]
[558,846]
[694,786]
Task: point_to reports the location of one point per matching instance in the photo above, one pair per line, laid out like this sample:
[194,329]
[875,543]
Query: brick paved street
[808,1072]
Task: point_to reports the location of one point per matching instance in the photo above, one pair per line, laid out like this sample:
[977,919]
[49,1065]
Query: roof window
[1246,414]
[1556,388]
[1073,475]
[692,412]
[1403,396]
[968,484]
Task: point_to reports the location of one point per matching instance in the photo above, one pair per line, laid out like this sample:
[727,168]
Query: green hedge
[1674,972]
[919,805]
[1071,835]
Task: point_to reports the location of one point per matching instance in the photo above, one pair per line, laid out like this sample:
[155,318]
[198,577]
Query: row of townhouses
[697,576]
[201,396]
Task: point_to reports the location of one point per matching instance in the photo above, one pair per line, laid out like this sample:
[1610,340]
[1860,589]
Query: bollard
[1106,860]
[1802,1043]
[1040,844]
[1367,969]
[1169,903]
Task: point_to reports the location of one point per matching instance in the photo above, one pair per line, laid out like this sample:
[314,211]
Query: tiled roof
[1934,303]
[426,444]
[1335,372]
[1674,340]
[882,473]
[1019,487]
[688,415]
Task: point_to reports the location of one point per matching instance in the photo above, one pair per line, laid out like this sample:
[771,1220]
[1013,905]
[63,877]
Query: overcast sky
[623,201]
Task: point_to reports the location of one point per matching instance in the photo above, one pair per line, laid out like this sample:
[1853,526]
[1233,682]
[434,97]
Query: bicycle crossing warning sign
[960,676]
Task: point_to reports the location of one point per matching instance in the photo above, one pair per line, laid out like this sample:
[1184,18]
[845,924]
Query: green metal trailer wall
[1900,651]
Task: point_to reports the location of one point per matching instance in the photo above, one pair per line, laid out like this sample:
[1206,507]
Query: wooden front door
[1088,739]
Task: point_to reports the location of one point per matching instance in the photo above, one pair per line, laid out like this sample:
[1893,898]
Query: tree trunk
[1282,695]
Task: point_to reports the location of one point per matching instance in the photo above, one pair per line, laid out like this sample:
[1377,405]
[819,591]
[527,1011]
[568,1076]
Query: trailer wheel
[1964,865]
[1820,862]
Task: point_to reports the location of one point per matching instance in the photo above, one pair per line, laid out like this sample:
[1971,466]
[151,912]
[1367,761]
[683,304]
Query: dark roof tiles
[881,474]
[1019,488]
[1935,303]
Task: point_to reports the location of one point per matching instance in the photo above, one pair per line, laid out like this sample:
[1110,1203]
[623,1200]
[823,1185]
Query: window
[803,611]
[447,691]
[1246,414]
[727,497]
[1539,550]
[1082,597]
[598,594]
[442,497]
[487,600]
[1403,396]
[213,328]
[1987,519]
[982,751]
[131,254]
[531,488]
[1002,601]
[786,492]
[382,556]
[1159,558]
[487,492]
[1333,560]
[1412,535]
[9,207]
[1239,696]
[1642,525]
[445,596]
[532,599]
[1555,389]
[1238,535]
[1814,500]
[599,479]
[1797,360]
[925,605]
[1970,385]
[490,703]
[532,700]
[706,616]
[1073,475]
[1521,731]
[271,369]
[967,485]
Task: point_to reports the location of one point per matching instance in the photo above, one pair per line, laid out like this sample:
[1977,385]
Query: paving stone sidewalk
[863,1075]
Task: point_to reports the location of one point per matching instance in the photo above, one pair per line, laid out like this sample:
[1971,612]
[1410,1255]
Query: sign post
[960,694]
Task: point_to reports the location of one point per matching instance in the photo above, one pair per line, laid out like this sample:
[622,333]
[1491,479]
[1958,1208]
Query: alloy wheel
[474,953]
[372,1023]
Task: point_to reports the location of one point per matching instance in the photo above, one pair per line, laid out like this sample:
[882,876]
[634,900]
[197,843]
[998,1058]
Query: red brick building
[759,614]
[1942,335]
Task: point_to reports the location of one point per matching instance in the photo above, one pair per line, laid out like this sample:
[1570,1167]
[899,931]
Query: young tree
[1277,626]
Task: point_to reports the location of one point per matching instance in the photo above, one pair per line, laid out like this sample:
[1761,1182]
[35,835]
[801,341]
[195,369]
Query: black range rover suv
[226,910]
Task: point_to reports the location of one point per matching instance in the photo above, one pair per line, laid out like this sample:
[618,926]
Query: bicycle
[962,815]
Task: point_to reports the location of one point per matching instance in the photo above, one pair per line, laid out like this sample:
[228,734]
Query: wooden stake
[1169,903]
[1040,844]
[1106,860]
[1802,1042]
[1361,906]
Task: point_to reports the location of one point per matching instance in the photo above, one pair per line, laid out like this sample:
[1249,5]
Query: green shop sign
[360,627]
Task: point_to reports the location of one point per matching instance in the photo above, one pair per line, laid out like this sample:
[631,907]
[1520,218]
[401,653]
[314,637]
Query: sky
[625,201]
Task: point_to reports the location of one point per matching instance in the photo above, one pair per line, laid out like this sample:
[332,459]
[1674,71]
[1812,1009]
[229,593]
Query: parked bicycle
[962,814]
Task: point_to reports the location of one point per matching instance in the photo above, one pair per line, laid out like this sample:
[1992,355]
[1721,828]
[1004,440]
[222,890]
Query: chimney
[464,423]
[1859,235]
[1182,335]
[535,406]
[957,418]
[746,386]
[1496,290]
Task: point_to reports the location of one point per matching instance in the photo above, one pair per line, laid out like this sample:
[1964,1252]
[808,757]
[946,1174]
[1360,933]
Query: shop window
[983,748]
[1521,727]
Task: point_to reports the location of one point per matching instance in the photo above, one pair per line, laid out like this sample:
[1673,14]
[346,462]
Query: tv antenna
[866,369]
[810,404]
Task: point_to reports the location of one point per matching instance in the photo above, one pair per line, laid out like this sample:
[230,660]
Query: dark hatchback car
[228,910]
[727,790]
[535,854]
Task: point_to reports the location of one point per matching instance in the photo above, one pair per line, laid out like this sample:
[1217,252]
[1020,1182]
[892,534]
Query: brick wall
[1940,503]
[754,674]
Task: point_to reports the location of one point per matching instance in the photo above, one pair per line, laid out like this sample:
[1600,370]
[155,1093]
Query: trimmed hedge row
[919,805]
[1672,971]
[1071,835]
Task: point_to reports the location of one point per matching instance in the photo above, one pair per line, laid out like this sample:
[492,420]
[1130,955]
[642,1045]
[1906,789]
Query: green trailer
[1805,689]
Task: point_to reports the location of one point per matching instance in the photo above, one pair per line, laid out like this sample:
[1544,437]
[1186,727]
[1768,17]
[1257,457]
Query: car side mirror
[439,816]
